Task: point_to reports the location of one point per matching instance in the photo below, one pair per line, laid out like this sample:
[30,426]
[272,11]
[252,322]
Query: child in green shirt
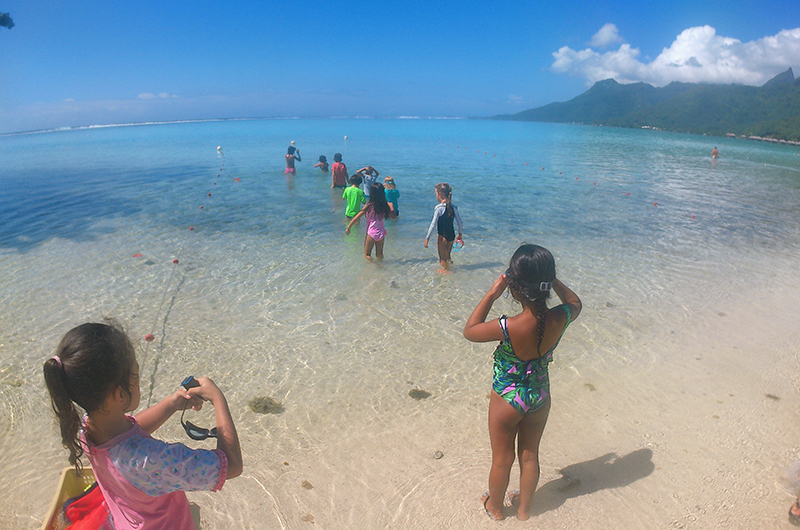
[354,196]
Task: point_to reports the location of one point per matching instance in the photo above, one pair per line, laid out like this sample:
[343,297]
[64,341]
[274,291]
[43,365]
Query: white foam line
[275,504]
[407,495]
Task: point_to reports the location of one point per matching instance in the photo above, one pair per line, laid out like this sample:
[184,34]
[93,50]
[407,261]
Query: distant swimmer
[322,164]
[292,154]
[714,153]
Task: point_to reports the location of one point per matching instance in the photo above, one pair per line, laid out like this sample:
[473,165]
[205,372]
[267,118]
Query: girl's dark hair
[444,191]
[291,150]
[323,158]
[92,361]
[377,199]
[337,157]
[529,267]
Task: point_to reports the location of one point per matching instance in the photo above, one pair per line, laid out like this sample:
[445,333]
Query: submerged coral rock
[418,393]
[265,405]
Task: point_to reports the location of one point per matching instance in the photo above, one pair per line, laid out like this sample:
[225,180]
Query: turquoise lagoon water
[671,252]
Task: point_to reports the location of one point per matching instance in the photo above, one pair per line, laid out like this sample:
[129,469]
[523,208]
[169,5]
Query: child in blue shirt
[392,193]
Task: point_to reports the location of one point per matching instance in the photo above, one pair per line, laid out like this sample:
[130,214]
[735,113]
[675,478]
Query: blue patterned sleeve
[158,468]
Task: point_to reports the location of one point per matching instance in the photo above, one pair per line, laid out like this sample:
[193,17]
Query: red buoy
[137,255]
[175,261]
[149,338]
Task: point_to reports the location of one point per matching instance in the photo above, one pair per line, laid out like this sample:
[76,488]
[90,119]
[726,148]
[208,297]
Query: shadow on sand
[195,515]
[605,472]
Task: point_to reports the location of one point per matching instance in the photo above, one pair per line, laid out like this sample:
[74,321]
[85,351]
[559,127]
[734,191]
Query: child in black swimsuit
[443,216]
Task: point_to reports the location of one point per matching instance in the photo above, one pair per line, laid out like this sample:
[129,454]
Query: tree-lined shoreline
[769,113]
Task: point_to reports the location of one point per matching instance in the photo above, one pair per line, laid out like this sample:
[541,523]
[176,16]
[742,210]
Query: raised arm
[568,297]
[477,329]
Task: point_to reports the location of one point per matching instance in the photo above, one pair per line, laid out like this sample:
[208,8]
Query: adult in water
[292,154]
[714,152]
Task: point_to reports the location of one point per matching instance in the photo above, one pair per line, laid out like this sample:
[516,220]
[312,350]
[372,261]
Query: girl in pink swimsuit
[142,479]
[375,211]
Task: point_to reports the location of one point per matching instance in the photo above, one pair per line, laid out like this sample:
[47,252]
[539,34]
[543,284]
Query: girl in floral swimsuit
[520,397]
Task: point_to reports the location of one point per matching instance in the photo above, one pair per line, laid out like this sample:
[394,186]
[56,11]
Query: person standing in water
[714,152]
[369,175]
[292,154]
[443,216]
[322,164]
[338,172]
[392,193]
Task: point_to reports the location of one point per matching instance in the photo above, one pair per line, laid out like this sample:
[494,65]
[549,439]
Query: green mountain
[769,111]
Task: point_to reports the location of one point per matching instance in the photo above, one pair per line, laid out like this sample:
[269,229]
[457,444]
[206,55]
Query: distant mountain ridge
[769,111]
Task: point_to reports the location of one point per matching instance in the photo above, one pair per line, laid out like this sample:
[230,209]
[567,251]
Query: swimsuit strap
[503,321]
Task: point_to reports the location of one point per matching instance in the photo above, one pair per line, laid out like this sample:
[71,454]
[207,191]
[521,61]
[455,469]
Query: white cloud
[698,55]
[160,95]
[608,34]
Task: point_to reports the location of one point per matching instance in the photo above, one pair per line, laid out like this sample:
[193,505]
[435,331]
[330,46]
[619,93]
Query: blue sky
[91,62]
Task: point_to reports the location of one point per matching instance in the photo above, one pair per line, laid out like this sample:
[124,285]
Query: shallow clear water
[270,298]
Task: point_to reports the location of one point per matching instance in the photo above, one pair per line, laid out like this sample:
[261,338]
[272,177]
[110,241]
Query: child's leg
[444,247]
[503,423]
[530,434]
[449,250]
[379,248]
[368,244]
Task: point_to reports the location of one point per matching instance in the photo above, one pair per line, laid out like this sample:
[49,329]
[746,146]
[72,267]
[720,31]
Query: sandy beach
[674,393]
